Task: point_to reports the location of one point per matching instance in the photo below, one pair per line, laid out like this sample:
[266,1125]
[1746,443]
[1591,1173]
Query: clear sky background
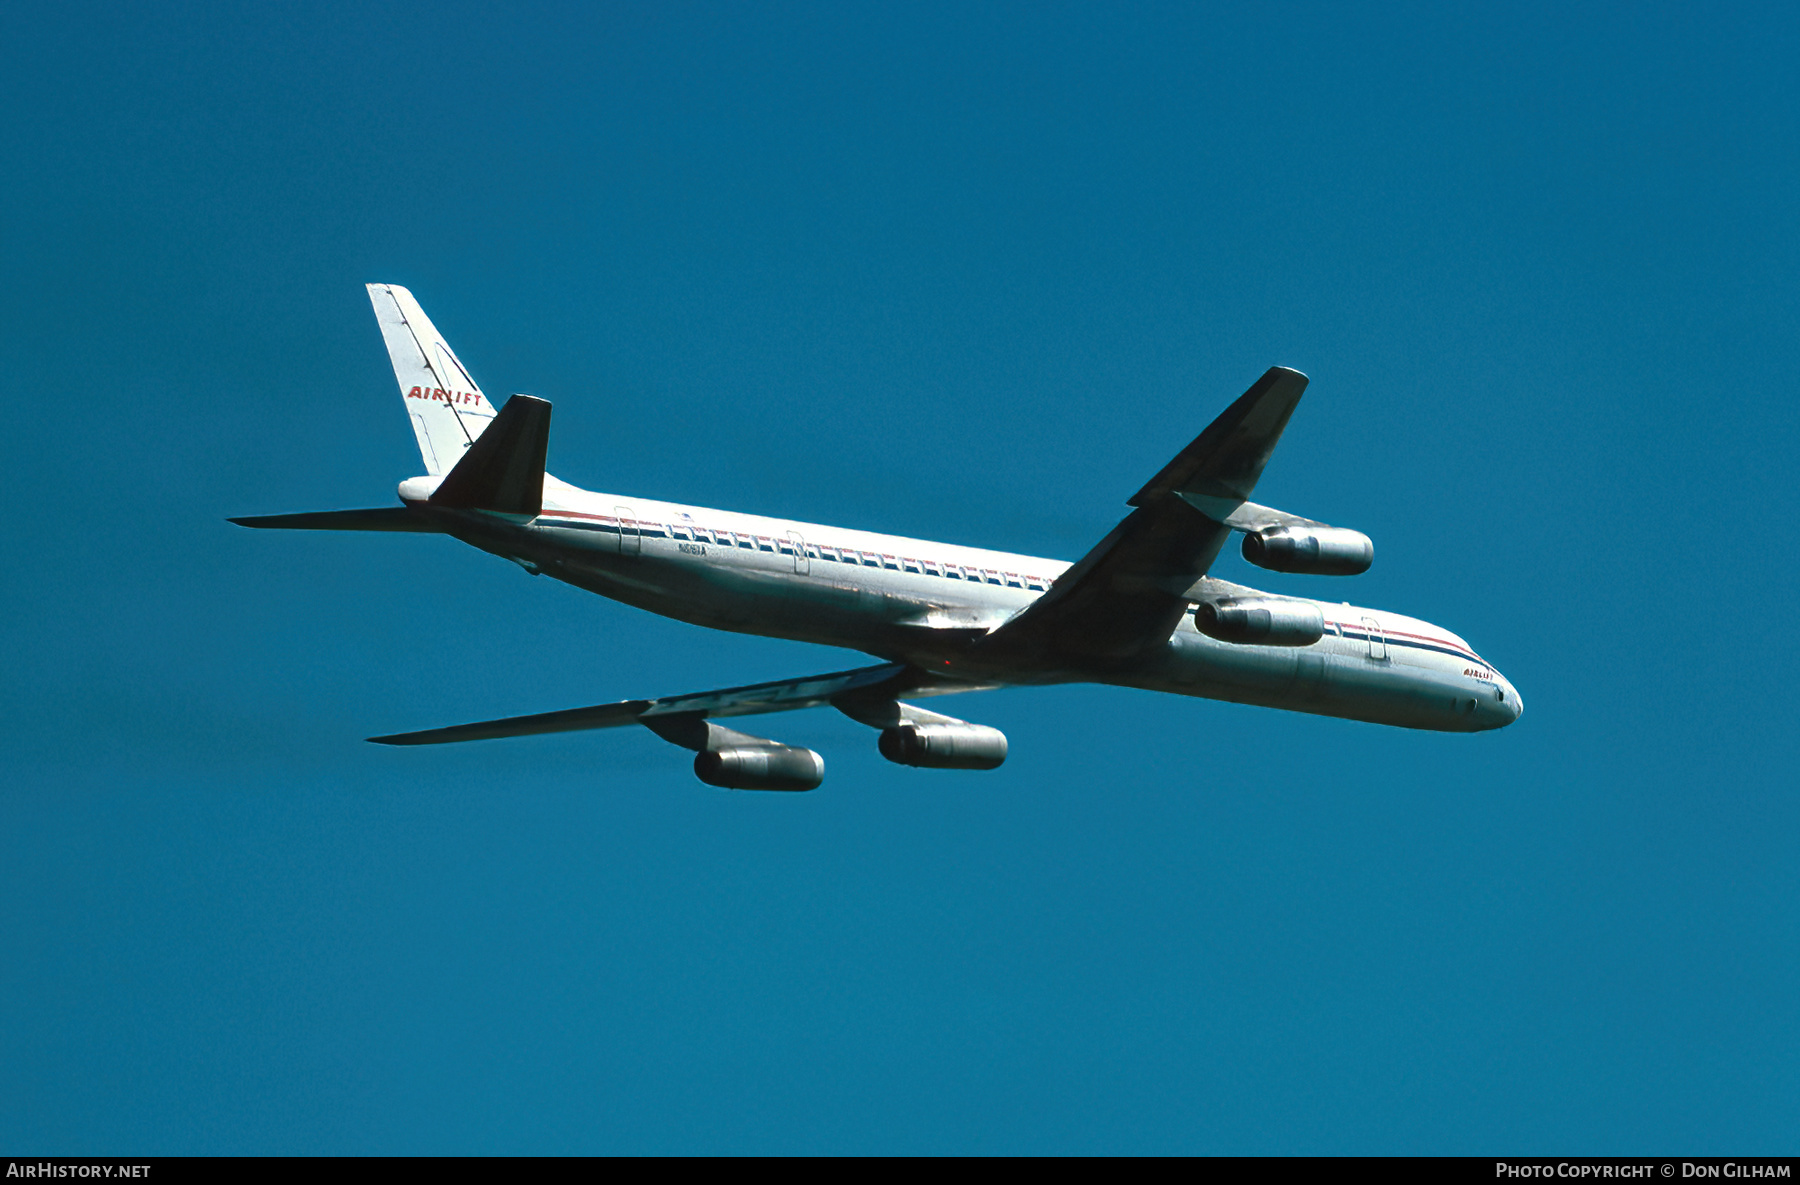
[970,272]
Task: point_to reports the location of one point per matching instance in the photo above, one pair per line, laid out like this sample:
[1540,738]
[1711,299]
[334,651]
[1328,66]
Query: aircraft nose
[1512,703]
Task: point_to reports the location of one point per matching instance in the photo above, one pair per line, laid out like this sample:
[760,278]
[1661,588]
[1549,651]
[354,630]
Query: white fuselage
[922,602]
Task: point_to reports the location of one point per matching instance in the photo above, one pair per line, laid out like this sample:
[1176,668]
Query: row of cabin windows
[842,555]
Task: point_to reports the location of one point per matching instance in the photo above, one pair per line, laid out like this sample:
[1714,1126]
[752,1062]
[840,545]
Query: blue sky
[968,272]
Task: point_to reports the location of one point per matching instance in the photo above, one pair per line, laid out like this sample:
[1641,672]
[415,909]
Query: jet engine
[944,746]
[1270,622]
[772,767]
[1319,551]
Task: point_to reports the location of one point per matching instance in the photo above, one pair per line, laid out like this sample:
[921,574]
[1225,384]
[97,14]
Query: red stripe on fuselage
[1456,646]
[1341,625]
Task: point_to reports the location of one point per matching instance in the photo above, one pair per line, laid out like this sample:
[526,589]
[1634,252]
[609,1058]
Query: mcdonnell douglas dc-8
[1138,610]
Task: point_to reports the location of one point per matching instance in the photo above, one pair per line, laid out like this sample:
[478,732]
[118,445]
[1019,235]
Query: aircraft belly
[1262,671]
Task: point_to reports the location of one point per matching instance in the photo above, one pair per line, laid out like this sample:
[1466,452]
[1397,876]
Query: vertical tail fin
[449,412]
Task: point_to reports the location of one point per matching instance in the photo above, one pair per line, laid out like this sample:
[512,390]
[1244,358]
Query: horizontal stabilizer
[503,470]
[382,518]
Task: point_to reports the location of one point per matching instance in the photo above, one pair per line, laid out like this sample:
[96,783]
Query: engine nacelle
[1261,623]
[944,746]
[1318,551]
[775,767]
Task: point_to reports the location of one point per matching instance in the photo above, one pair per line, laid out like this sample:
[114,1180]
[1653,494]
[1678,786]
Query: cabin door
[1377,640]
[630,541]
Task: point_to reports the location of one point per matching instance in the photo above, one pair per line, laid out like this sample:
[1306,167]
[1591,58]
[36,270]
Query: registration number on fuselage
[692,548]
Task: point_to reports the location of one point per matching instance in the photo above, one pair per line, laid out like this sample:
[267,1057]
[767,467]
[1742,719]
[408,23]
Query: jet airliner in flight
[1138,610]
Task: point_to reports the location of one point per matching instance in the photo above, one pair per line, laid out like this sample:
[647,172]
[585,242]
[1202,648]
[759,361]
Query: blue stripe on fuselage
[784,546]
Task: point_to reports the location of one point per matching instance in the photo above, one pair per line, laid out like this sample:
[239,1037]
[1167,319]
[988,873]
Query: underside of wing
[1128,594]
[571,720]
[887,681]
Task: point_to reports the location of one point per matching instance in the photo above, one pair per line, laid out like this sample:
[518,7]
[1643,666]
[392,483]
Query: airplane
[1138,610]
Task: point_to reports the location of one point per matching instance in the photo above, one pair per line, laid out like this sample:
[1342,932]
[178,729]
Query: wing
[1127,594]
[785,695]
